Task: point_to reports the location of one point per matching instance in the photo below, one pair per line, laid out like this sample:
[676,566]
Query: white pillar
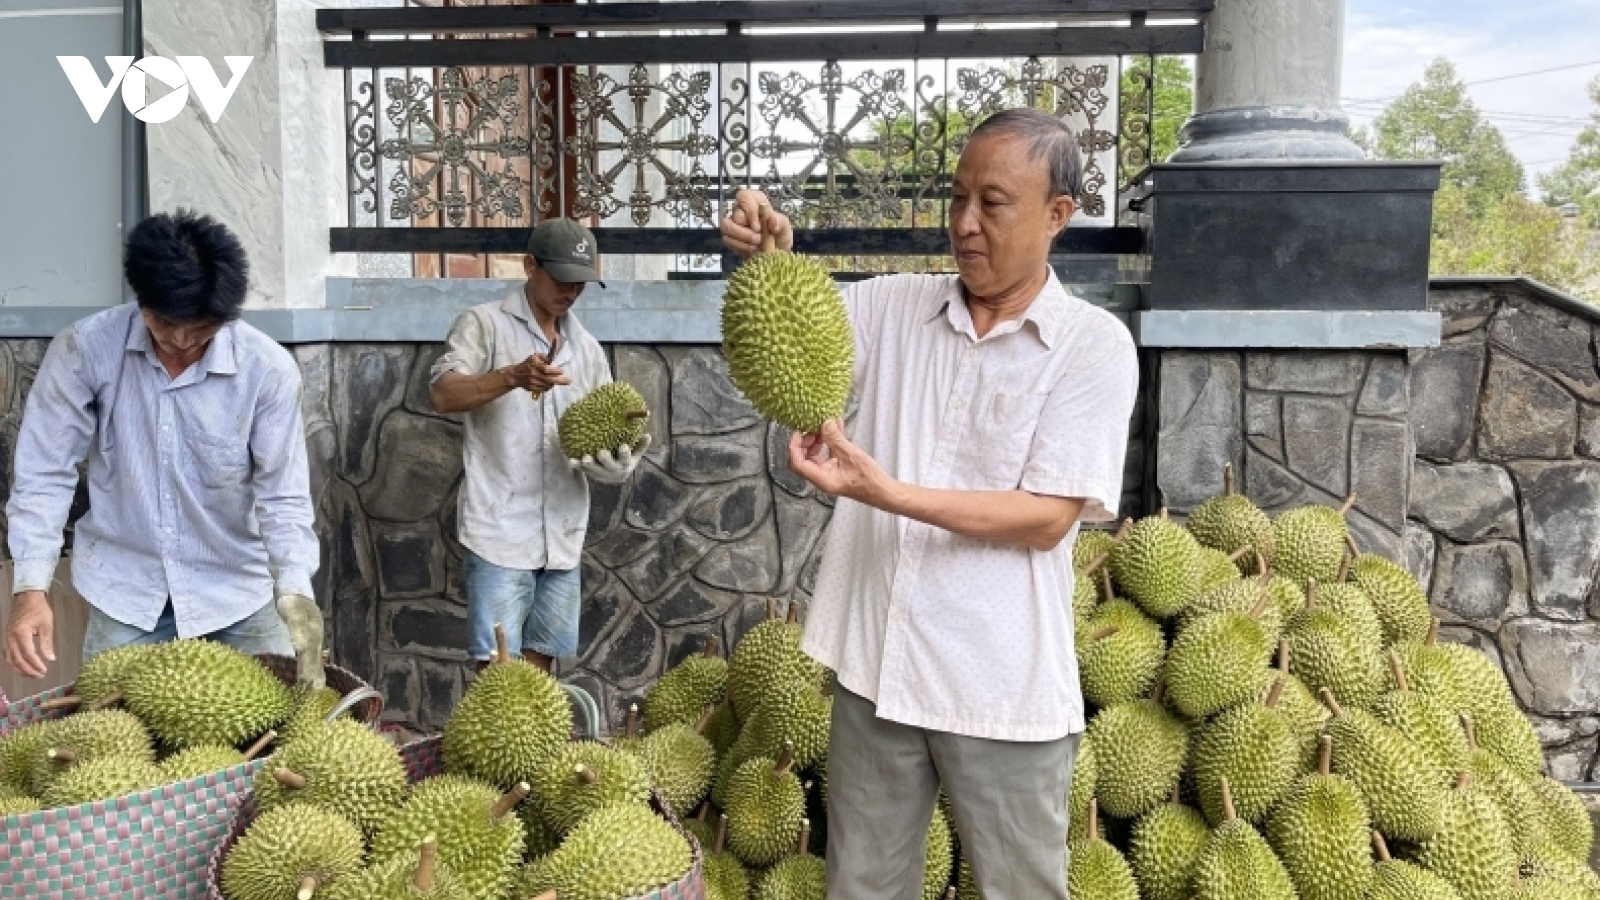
[1267,85]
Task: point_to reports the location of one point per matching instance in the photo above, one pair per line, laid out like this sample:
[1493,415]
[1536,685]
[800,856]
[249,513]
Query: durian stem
[793,615]
[111,699]
[1344,569]
[1433,633]
[61,755]
[785,759]
[1350,541]
[705,811]
[631,729]
[950,893]
[1464,781]
[1227,480]
[70,701]
[1103,632]
[1238,554]
[1162,514]
[1261,605]
[1349,504]
[1158,692]
[289,778]
[1380,846]
[585,774]
[636,414]
[509,800]
[1122,530]
[712,645]
[547,895]
[772,609]
[805,838]
[1261,568]
[704,720]
[1325,755]
[308,888]
[722,833]
[1398,670]
[1331,703]
[1099,561]
[1471,731]
[267,737]
[1516,880]
[1094,819]
[502,649]
[1177,795]
[1228,812]
[1105,583]
[1311,593]
[1276,694]
[1283,655]
[428,858]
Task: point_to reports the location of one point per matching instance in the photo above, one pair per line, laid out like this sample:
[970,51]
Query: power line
[1582,65]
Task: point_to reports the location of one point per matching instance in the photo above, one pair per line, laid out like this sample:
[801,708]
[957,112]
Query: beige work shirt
[521,505]
[946,632]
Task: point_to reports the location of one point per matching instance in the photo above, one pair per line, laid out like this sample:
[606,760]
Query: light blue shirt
[198,485]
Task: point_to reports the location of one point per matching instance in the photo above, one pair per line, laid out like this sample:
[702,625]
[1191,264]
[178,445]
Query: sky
[1388,43]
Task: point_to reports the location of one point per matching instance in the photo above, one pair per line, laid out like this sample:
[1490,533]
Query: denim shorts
[541,605]
[262,631]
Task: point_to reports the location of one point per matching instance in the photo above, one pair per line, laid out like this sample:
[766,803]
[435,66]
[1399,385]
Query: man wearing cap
[513,366]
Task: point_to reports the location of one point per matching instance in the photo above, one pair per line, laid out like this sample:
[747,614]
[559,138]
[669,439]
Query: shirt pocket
[221,462]
[999,438]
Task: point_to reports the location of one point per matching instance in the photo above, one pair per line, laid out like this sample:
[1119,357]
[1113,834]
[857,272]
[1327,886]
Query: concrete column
[1267,85]
[272,167]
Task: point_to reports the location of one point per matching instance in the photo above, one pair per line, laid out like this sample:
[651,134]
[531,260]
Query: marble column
[1267,85]
[272,167]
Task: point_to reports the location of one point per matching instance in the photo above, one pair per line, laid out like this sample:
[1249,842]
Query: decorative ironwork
[1136,136]
[474,118]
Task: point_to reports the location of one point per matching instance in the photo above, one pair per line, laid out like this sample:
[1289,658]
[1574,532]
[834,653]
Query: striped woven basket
[423,759]
[153,845]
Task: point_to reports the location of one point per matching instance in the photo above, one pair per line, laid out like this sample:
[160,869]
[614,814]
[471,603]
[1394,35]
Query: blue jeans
[262,631]
[540,605]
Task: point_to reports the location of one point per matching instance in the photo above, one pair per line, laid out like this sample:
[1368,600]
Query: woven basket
[423,759]
[153,845]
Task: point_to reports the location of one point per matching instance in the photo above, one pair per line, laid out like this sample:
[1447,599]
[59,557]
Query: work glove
[304,621]
[607,467]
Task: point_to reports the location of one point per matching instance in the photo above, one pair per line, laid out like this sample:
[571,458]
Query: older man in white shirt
[994,409]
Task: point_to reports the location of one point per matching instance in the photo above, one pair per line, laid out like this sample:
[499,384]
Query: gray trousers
[1009,799]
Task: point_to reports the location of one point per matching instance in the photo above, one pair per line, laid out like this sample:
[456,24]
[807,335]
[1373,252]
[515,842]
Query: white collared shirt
[521,505]
[946,632]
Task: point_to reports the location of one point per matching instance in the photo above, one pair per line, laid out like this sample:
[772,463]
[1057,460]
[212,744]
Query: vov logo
[187,72]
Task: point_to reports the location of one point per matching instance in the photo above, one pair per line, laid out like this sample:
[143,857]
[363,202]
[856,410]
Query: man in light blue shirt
[199,494]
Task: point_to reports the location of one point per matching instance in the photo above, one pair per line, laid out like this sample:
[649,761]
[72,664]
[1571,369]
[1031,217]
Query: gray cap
[567,249]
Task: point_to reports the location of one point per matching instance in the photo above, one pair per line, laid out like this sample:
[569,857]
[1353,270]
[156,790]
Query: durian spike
[1227,480]
[1238,554]
[1122,531]
[631,728]
[1276,694]
[704,720]
[805,838]
[1398,670]
[1433,633]
[509,800]
[1098,561]
[1344,569]
[61,754]
[1331,703]
[1380,846]
[712,644]
[1283,655]
[1471,731]
[1228,812]
[585,774]
[308,888]
[793,615]
[785,760]
[772,609]
[722,833]
[1261,605]
[1349,504]
[70,701]
[1311,593]
[267,737]
[428,858]
[502,649]
[289,778]
[636,414]
[769,242]
[1325,755]
[1094,818]
[1463,781]
[1350,541]
[1105,583]
[1163,513]
[1103,632]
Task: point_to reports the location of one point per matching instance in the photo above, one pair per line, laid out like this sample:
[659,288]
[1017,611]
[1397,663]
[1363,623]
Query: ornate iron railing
[468,124]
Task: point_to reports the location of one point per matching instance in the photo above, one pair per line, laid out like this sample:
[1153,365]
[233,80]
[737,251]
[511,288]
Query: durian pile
[1274,717]
[149,715]
[519,810]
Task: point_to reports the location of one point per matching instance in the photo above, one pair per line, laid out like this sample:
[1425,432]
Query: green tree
[1435,119]
[1512,236]
[1578,179]
[1174,99]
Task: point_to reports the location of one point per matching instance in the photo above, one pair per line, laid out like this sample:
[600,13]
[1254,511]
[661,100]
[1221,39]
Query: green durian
[343,766]
[1216,661]
[1164,849]
[616,852]
[725,876]
[612,416]
[1330,653]
[1095,870]
[1391,772]
[1141,752]
[1082,789]
[939,856]
[1395,879]
[722,729]
[1306,714]
[768,656]
[794,713]
[1090,545]
[1571,828]
[417,874]
[1240,595]
[512,720]
[1120,652]
[1425,721]
[1353,608]
[1216,569]
[687,690]
[1321,831]
[800,876]
[1399,601]
[200,760]
[18,805]
[1157,563]
[678,762]
[480,839]
[311,705]
[195,691]
[19,751]
[1085,596]
[1551,865]
[1252,745]
[1472,847]
[85,737]
[100,778]
[1524,815]
[105,673]
[289,848]
[1237,863]
[766,804]
[1309,542]
[788,340]
[1230,522]
[582,777]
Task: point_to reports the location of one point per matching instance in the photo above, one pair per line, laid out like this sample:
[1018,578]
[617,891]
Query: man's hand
[742,229]
[612,468]
[834,465]
[31,618]
[535,375]
[304,621]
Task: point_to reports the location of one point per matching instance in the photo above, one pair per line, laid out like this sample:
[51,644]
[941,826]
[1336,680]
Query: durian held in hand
[604,433]
[787,336]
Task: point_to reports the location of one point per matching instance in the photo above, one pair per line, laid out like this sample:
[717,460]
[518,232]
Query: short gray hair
[1048,138]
